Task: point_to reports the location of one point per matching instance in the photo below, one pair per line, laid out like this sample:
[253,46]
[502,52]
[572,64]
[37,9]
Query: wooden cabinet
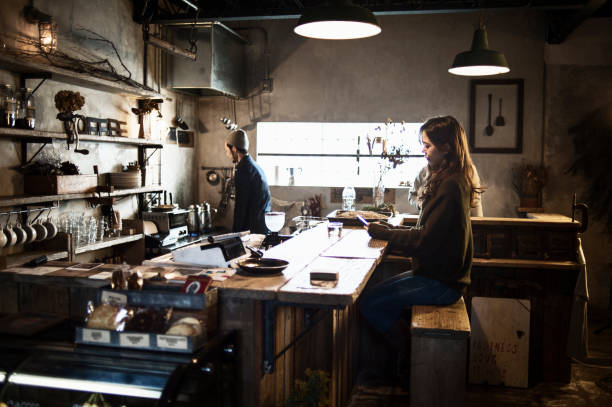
[534,259]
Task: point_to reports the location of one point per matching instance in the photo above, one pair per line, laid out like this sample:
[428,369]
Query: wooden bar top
[354,255]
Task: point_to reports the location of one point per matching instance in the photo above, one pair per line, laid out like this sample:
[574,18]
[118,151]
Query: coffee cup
[3,239]
[51,229]
[10,236]
[21,235]
[30,233]
[41,231]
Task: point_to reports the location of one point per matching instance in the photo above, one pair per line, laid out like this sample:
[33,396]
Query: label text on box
[172,342]
[96,335]
[134,340]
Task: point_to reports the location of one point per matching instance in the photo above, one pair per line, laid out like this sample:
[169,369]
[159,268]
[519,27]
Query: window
[337,154]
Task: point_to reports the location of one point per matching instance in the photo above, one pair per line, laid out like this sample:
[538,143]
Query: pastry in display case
[105,377]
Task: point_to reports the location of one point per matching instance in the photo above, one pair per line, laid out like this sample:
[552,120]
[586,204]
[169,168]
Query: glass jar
[8,106]
[26,110]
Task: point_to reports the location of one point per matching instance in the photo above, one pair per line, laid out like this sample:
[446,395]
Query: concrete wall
[113,21]
[402,74]
[578,82]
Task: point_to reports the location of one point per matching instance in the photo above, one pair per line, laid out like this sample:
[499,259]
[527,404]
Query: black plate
[263,266]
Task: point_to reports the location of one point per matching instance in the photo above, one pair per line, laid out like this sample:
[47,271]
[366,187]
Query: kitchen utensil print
[489,128]
[499,120]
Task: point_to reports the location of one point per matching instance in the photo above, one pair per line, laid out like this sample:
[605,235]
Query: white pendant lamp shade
[340,20]
[480,60]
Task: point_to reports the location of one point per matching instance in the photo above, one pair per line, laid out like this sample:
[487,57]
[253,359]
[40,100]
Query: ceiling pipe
[201,20]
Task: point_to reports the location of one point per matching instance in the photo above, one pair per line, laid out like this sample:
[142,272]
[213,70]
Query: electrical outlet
[266,85]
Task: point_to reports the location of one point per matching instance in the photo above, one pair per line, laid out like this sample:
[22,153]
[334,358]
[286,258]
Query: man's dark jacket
[252,197]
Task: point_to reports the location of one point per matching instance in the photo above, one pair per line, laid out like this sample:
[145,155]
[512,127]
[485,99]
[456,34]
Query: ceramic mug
[41,231]
[3,239]
[51,229]
[10,236]
[20,233]
[30,232]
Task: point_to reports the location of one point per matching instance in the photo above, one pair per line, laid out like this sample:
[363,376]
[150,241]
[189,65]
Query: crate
[59,184]
[203,307]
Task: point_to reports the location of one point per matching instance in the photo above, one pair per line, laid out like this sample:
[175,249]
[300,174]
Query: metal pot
[207,216]
[192,220]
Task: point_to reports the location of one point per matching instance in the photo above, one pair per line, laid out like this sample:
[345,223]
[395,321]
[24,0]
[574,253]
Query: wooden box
[59,184]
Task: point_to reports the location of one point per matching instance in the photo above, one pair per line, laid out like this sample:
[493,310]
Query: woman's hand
[378,230]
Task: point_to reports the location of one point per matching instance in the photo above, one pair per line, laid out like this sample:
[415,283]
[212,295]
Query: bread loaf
[106,316]
[187,326]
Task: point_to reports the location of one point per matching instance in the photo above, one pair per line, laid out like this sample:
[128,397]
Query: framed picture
[496,116]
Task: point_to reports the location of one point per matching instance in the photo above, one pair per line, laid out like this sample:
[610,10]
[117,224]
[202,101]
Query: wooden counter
[286,325]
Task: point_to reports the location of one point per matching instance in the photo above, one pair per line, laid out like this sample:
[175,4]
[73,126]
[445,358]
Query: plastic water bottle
[348,199]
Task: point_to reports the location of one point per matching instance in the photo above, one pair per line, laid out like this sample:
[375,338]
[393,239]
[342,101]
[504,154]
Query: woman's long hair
[447,130]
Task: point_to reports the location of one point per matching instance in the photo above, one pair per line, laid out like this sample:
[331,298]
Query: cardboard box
[59,184]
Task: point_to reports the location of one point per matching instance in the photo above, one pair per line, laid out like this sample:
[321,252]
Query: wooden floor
[591,384]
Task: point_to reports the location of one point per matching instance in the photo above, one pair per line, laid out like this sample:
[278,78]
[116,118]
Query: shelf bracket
[41,75]
[146,160]
[24,152]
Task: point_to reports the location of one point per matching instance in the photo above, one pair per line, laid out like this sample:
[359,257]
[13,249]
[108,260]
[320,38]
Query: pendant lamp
[337,20]
[480,60]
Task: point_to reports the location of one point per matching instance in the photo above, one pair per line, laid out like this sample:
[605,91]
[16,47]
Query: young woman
[441,242]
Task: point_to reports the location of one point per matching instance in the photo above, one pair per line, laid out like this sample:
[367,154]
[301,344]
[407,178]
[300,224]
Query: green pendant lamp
[337,20]
[480,60]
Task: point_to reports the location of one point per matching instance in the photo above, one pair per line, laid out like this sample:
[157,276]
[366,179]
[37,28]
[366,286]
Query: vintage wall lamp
[47,28]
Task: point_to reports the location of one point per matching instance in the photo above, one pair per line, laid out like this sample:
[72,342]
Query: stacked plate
[129,179]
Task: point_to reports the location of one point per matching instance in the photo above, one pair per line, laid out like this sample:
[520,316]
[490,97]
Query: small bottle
[348,199]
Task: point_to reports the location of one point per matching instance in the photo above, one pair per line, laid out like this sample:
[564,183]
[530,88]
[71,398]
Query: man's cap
[238,139]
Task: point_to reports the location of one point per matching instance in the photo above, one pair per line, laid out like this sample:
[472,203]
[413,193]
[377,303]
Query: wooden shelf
[33,66]
[28,200]
[108,242]
[16,260]
[40,136]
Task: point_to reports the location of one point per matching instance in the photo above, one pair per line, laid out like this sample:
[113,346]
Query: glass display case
[95,376]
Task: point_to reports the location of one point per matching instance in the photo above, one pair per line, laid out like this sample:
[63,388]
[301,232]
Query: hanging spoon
[499,120]
[489,128]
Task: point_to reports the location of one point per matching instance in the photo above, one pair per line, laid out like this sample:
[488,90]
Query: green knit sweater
[441,243]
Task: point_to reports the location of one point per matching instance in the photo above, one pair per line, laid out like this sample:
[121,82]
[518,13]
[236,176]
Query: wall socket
[266,85]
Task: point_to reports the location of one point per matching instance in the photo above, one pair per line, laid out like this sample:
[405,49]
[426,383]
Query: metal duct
[219,68]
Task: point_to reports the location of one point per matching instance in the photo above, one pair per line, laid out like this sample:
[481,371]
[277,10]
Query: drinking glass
[275,221]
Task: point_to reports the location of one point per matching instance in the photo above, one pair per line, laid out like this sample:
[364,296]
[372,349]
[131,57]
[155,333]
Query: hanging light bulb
[47,34]
[480,60]
[340,20]
[47,28]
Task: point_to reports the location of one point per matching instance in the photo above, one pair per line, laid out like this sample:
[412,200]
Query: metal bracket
[24,152]
[269,316]
[40,75]
[146,160]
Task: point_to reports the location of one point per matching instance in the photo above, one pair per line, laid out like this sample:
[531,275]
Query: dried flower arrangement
[67,101]
[146,106]
[393,153]
[528,181]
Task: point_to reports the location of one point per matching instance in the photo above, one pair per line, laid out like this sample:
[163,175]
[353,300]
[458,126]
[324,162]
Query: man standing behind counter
[252,192]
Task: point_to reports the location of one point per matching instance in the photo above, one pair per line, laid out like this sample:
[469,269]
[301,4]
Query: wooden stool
[438,360]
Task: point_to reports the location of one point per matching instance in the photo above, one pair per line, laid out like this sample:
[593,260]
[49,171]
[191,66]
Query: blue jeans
[384,303]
